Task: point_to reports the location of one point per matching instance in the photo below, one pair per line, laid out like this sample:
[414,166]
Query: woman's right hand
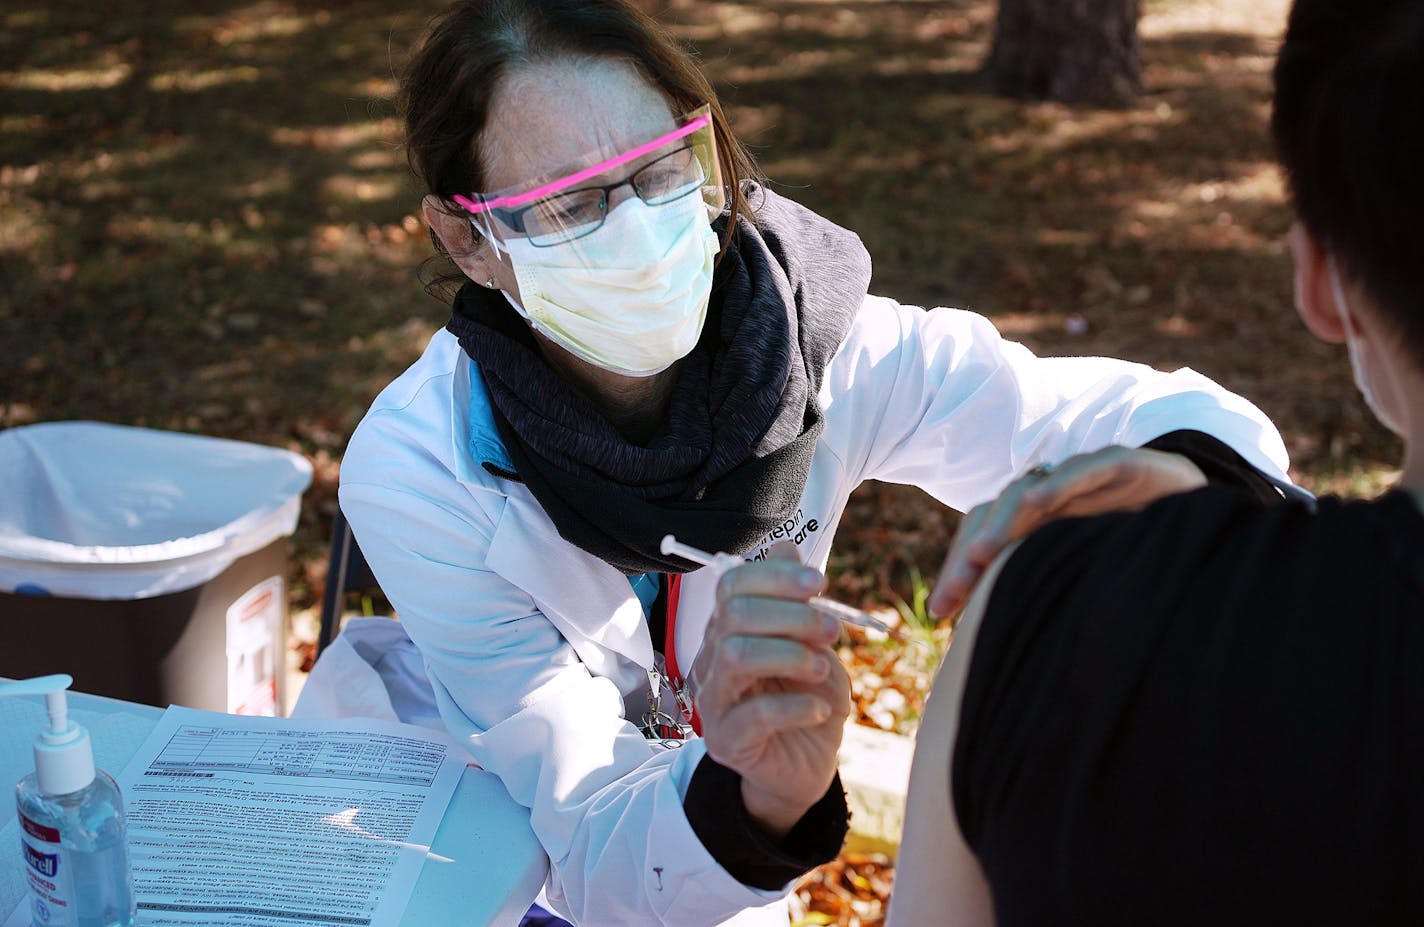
[772,695]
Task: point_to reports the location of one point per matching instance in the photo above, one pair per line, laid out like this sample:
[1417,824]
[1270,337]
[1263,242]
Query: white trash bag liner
[98,511]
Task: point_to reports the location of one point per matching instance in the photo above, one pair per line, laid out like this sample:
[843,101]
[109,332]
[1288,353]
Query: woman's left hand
[1113,479]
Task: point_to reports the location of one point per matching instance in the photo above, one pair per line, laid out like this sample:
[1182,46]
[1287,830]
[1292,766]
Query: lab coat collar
[590,602]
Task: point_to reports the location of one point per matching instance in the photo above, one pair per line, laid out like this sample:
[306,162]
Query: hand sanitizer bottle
[71,824]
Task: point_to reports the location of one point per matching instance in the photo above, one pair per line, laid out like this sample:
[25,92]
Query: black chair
[346,572]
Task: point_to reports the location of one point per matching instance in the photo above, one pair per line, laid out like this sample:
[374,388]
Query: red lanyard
[674,590]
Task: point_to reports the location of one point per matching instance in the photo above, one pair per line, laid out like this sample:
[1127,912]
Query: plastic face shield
[566,205]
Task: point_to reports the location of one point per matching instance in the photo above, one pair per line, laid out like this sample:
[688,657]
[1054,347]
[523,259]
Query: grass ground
[206,225]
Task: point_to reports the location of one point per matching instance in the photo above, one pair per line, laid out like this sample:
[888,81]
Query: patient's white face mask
[1386,404]
[630,297]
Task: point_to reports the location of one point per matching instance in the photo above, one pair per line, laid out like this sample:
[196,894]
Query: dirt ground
[206,225]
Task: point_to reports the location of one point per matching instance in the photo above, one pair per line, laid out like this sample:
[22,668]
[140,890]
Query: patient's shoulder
[1188,549]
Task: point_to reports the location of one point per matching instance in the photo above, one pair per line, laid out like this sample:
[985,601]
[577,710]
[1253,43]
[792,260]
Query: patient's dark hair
[1349,129]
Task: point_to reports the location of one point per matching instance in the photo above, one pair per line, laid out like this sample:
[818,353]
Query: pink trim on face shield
[554,186]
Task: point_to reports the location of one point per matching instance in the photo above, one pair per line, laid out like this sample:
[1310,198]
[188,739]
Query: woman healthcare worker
[646,342]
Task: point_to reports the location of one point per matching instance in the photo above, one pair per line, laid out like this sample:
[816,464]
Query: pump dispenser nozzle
[64,756]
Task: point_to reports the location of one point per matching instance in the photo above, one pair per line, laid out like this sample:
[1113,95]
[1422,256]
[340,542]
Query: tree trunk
[1069,50]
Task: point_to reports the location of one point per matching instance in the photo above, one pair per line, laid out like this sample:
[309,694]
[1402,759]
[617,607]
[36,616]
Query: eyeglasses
[568,216]
[551,213]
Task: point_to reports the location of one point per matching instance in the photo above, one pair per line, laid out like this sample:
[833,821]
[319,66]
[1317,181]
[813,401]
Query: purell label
[47,872]
[46,864]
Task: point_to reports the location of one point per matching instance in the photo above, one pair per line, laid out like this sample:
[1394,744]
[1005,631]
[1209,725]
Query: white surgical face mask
[1365,375]
[630,297]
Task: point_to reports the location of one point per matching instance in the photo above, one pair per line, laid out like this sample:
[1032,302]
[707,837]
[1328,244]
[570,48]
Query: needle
[825,606]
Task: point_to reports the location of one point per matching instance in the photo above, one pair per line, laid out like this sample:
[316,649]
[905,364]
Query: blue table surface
[490,866]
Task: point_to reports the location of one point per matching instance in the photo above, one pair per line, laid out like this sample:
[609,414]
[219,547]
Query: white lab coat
[538,651]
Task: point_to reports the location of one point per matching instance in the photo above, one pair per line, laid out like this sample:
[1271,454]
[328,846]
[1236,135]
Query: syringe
[837,610]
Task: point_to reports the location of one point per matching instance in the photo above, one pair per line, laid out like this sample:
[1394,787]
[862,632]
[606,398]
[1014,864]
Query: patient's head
[1349,128]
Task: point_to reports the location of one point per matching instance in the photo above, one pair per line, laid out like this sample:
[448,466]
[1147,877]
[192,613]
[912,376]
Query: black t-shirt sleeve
[1080,604]
[714,808]
[1063,655]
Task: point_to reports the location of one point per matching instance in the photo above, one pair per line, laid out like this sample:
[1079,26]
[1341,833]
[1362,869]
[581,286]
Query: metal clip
[658,724]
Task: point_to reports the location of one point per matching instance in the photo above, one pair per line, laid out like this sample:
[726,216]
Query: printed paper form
[266,821]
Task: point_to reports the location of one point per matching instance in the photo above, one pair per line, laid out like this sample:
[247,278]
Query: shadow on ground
[206,223]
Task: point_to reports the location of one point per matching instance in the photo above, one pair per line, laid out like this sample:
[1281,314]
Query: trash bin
[149,565]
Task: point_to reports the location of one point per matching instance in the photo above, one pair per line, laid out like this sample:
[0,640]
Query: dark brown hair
[1348,122]
[447,87]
